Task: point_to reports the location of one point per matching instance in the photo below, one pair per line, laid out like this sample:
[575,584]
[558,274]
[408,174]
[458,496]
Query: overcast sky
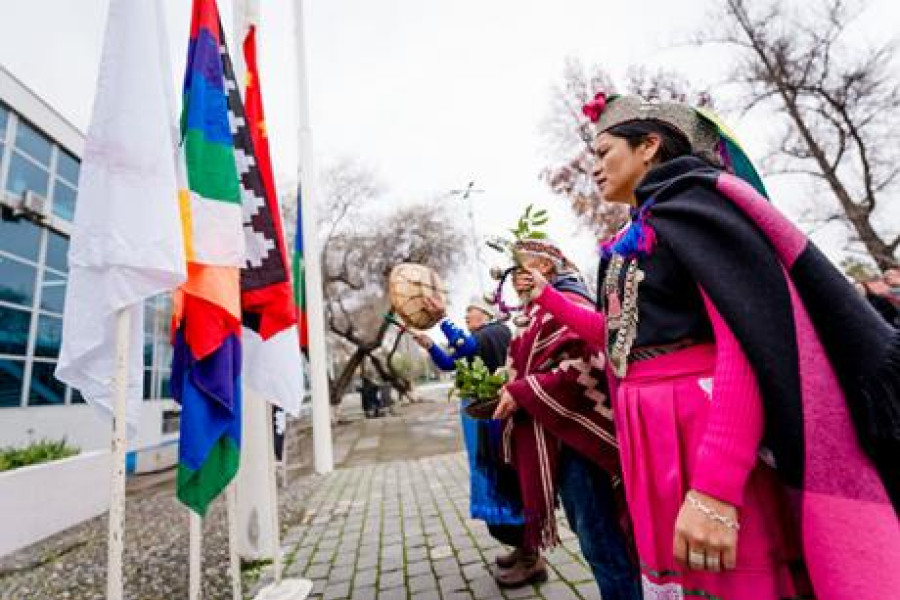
[430,93]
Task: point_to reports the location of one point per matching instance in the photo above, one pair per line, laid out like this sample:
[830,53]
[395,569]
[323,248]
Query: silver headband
[700,133]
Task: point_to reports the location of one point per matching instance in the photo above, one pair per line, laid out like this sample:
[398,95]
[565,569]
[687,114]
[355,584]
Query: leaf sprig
[528,227]
[529,224]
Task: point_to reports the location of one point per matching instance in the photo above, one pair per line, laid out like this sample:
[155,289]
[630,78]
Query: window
[4,119]
[149,325]
[33,142]
[171,421]
[63,200]
[148,384]
[11,373]
[30,302]
[49,336]
[157,347]
[57,251]
[45,388]
[19,236]
[165,383]
[26,175]
[16,281]
[53,291]
[67,167]
[14,332]
[163,353]
[77,398]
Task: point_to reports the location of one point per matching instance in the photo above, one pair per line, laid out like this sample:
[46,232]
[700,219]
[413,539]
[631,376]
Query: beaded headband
[606,113]
[544,249]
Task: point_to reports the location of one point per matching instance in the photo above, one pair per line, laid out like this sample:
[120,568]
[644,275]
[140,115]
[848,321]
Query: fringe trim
[541,531]
[877,420]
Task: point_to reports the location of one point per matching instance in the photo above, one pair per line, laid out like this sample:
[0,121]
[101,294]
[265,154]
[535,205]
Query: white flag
[127,242]
[273,369]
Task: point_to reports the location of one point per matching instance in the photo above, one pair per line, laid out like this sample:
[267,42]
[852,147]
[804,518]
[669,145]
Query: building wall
[38,501]
[39,154]
[83,427]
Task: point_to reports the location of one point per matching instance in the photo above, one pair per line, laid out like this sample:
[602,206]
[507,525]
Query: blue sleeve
[443,361]
[464,344]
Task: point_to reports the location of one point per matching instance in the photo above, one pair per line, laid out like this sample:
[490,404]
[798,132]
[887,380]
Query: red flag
[266,293]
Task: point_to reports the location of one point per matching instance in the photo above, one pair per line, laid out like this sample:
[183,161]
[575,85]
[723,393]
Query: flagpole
[321,409]
[116,546]
[255,501]
[194,555]
[246,12]
[273,487]
[233,558]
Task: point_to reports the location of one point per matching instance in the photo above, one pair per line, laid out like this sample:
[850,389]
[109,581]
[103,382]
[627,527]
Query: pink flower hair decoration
[593,109]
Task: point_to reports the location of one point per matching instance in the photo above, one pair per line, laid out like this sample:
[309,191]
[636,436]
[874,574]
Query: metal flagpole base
[287,589]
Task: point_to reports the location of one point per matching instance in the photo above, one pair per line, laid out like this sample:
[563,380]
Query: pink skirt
[660,411]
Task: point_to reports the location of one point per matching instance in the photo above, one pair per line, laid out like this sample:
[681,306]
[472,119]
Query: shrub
[35,453]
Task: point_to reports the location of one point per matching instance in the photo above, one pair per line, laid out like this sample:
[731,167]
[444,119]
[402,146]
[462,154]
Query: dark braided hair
[672,143]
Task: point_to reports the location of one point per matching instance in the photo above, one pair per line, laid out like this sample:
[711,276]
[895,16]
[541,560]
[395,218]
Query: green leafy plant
[35,453]
[476,382]
[529,223]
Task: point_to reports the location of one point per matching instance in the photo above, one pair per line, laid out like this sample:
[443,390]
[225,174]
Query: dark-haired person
[558,431]
[494,495]
[757,401]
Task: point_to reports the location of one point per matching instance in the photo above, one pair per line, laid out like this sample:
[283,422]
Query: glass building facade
[34,271]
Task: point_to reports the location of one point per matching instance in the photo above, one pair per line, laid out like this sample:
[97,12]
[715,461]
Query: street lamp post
[466,195]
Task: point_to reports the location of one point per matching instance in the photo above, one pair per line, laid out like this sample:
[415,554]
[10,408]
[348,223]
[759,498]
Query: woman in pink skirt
[756,395]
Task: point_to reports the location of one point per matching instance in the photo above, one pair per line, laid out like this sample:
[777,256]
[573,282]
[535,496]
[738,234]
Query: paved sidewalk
[390,523]
[400,530]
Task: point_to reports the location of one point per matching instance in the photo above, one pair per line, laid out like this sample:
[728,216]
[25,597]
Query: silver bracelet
[712,514]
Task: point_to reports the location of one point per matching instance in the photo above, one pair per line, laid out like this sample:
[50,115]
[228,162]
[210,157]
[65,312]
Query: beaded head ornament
[702,128]
[529,239]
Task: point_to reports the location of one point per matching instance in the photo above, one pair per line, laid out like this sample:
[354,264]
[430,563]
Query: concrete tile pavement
[391,522]
[400,529]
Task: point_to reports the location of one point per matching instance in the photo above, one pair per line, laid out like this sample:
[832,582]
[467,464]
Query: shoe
[508,560]
[526,571]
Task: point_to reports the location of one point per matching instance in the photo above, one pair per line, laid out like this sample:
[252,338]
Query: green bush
[35,453]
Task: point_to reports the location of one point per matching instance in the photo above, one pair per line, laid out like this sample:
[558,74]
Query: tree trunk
[340,383]
[363,351]
[398,382]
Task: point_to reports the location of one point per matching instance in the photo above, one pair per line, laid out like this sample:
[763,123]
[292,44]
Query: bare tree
[665,85]
[564,128]
[839,105]
[361,244]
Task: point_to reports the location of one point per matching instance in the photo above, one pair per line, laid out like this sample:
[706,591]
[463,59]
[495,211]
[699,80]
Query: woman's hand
[507,405]
[530,281]
[435,306]
[423,340]
[703,541]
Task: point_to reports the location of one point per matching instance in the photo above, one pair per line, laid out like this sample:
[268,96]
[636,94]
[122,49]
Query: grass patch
[35,453]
